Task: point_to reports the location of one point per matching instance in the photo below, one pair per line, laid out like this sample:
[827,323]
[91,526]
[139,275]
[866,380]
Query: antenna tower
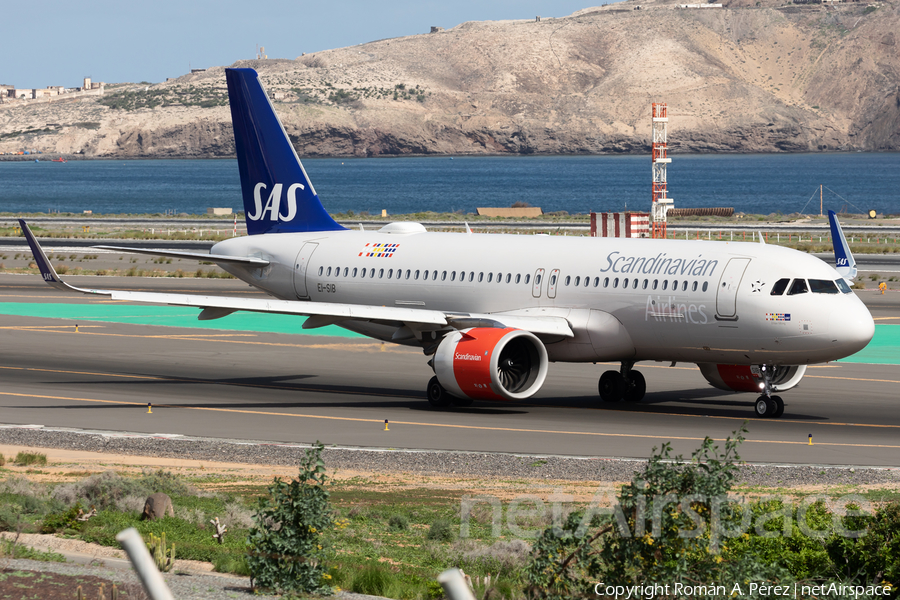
[661,203]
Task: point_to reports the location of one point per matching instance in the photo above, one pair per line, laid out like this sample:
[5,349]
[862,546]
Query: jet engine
[749,378]
[491,364]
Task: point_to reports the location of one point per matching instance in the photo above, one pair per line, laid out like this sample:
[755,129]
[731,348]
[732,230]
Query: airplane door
[726,295]
[538,282]
[551,284]
[300,267]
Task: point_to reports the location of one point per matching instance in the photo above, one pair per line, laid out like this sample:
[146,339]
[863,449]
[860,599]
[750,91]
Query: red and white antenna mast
[661,203]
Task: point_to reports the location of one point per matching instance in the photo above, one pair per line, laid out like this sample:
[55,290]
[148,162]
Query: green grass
[25,459]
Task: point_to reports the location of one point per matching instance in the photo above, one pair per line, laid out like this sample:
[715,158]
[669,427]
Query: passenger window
[655,283]
[625,283]
[329,272]
[842,285]
[453,276]
[362,273]
[354,271]
[606,282]
[644,286]
[779,287]
[381,273]
[552,279]
[822,286]
[675,286]
[490,277]
[616,282]
[444,276]
[424,275]
[587,281]
[434,275]
[346,270]
[480,277]
[527,278]
[568,280]
[372,272]
[320,271]
[694,287]
[684,286]
[417,274]
[705,285]
[537,280]
[471,276]
[462,275]
[665,284]
[577,281]
[519,278]
[798,287]
[596,282]
[499,277]
[634,284]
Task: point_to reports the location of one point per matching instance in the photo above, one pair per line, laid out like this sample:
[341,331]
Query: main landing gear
[438,397]
[625,384]
[767,405]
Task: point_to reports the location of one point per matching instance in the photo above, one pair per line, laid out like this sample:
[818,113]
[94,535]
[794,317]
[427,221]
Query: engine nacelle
[748,378]
[491,363]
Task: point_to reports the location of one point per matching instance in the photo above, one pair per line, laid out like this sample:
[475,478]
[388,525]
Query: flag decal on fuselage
[379,250]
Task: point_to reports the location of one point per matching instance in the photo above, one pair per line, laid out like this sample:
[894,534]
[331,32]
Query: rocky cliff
[749,77]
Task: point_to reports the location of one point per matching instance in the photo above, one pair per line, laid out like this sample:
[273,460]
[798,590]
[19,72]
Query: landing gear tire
[636,388]
[766,407]
[612,386]
[438,397]
[779,406]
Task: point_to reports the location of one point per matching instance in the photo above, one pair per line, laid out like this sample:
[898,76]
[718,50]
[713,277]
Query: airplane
[492,311]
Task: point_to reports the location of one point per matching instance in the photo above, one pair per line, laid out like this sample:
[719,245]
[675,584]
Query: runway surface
[252,383]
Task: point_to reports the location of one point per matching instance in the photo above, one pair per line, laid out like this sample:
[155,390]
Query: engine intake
[491,363]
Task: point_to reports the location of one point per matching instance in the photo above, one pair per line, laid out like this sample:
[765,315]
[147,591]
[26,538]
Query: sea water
[759,183]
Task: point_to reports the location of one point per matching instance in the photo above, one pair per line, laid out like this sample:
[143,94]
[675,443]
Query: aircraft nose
[852,328]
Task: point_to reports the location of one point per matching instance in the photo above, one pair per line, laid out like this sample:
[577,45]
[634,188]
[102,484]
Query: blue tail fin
[843,258]
[278,196]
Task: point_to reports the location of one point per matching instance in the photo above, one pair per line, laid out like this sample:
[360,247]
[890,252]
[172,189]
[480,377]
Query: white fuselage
[694,301]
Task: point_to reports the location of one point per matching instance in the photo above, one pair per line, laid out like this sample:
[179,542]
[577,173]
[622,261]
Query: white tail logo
[273,204]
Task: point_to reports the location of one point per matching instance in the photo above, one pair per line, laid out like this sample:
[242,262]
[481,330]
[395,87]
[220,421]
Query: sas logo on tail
[273,204]
[379,250]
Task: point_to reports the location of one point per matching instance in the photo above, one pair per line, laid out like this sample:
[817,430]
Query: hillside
[751,77]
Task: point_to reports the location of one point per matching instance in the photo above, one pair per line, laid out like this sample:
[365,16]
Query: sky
[59,42]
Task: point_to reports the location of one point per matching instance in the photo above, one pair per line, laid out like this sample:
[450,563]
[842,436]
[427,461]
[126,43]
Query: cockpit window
[822,286]
[842,285]
[780,286]
[798,287]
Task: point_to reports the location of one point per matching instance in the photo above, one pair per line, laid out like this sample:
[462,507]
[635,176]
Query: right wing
[320,313]
[216,258]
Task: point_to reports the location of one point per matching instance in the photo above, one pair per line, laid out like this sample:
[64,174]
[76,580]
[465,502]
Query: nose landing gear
[767,405]
[625,384]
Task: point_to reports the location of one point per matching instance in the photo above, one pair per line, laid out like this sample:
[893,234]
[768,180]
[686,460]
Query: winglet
[761,240]
[47,271]
[843,258]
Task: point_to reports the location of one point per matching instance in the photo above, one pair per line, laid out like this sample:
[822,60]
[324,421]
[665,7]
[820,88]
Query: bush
[398,523]
[285,551]
[109,489]
[440,531]
[26,459]
[2,460]
[61,521]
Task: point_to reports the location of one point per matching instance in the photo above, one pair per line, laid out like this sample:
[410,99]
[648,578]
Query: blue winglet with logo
[843,258]
[278,196]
